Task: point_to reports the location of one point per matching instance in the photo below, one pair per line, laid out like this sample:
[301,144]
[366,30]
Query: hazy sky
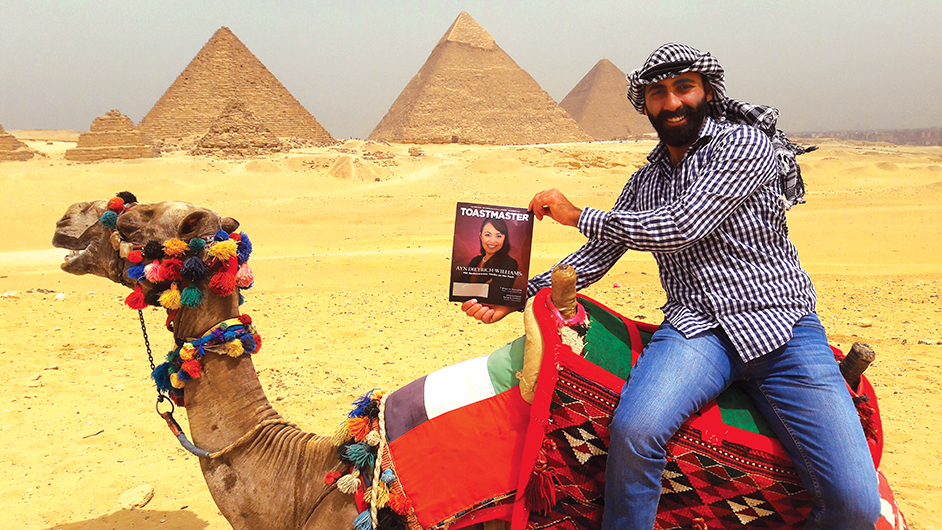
[827,65]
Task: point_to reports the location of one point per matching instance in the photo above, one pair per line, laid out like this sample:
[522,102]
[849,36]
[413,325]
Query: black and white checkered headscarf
[672,59]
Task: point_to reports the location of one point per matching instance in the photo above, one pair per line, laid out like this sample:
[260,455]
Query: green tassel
[191,297]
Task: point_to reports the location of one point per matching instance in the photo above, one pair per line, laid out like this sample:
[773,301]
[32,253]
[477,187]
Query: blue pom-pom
[360,404]
[388,476]
[218,334]
[161,377]
[229,336]
[244,250]
[221,235]
[135,272]
[248,343]
[361,455]
[109,219]
[364,521]
[183,375]
[194,269]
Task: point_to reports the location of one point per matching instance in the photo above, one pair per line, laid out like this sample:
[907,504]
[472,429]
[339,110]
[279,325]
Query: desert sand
[352,248]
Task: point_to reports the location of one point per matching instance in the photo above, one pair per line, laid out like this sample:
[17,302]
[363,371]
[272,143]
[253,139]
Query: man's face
[676,107]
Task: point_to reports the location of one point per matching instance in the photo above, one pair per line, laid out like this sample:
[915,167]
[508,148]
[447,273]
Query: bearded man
[711,206]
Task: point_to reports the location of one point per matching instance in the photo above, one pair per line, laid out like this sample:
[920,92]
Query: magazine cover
[490,260]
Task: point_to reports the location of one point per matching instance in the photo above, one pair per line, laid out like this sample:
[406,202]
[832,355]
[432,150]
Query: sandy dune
[351,257]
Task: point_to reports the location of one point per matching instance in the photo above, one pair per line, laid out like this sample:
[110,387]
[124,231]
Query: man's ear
[707,87]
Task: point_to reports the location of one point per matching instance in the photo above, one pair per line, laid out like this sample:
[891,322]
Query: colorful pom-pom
[235,237]
[358,428]
[116,204]
[221,235]
[362,455]
[332,477]
[191,296]
[197,244]
[248,343]
[218,334]
[153,250]
[194,269]
[349,483]
[161,377]
[187,351]
[399,503]
[245,247]
[135,272]
[152,272]
[223,283]
[175,381]
[135,256]
[127,196]
[174,247]
[193,368]
[245,318]
[135,300]
[171,297]
[109,219]
[245,277]
[373,438]
[258,342]
[363,521]
[223,250]
[388,476]
[234,348]
[183,376]
[359,404]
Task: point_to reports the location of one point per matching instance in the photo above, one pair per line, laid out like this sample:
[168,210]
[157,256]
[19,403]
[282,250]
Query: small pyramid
[13,149]
[236,133]
[222,71]
[470,91]
[110,136]
[599,103]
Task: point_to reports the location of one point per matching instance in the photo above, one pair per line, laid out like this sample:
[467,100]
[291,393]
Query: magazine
[490,259]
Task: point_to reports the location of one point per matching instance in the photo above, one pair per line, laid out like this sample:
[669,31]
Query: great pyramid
[110,136]
[222,71]
[237,133]
[599,102]
[13,149]
[470,91]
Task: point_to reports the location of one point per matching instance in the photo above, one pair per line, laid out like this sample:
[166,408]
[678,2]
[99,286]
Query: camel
[262,470]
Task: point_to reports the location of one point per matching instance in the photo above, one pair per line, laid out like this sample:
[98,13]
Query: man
[710,207]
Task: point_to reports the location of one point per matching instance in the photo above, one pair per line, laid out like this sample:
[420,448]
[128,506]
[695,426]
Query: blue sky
[827,65]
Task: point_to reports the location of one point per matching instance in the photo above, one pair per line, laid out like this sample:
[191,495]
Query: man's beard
[680,135]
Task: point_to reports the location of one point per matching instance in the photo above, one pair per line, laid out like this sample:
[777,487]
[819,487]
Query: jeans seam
[818,497]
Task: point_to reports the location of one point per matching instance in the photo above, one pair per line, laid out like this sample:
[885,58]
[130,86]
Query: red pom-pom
[258,342]
[399,503]
[223,283]
[245,319]
[170,269]
[116,204]
[135,300]
[235,236]
[135,256]
[193,368]
[332,477]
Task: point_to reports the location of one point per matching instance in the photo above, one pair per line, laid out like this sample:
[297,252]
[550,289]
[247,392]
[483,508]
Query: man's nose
[672,102]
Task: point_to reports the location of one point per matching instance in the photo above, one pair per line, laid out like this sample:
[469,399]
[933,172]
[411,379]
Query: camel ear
[230,225]
[197,224]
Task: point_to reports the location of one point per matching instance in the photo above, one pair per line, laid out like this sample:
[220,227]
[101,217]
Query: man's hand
[556,206]
[484,313]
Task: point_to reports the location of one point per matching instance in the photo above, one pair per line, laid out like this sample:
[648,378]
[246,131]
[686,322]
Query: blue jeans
[800,392]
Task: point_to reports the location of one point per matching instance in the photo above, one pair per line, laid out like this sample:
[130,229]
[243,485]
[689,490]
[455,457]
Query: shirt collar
[707,131]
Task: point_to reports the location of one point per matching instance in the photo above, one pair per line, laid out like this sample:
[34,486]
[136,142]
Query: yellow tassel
[234,348]
[171,297]
[223,250]
[341,435]
[175,247]
[175,381]
[187,351]
[349,484]
[378,394]
[380,495]
[373,438]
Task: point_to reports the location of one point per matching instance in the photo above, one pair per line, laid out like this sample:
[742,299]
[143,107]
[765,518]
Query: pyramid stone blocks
[599,103]
[13,149]
[237,133]
[470,91]
[225,70]
[110,136]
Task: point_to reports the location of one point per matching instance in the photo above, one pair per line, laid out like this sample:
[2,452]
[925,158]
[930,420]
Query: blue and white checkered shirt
[716,227]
